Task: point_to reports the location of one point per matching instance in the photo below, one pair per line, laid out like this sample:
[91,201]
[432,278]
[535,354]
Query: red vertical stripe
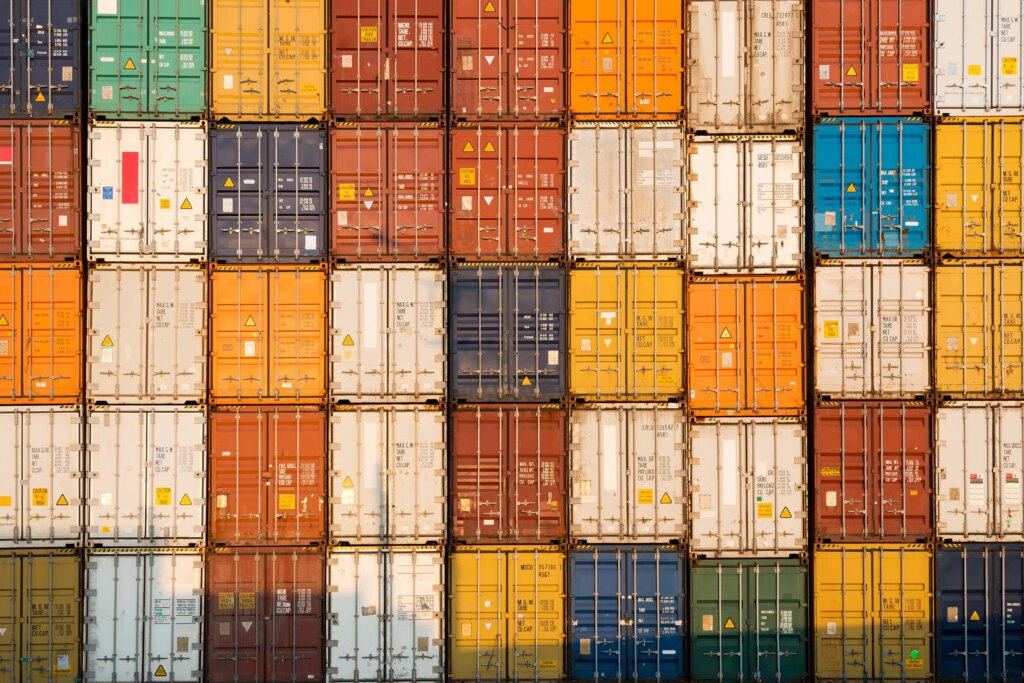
[129,177]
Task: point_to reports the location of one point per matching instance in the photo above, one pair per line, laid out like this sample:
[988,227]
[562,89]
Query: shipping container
[507,327]
[388,474]
[146,476]
[40,198]
[385,614]
[41,333]
[508,187]
[387,59]
[147,191]
[746,207]
[978,471]
[627,191]
[41,58]
[268,192]
[508,474]
[40,477]
[389,192]
[746,66]
[746,348]
[872,612]
[388,333]
[506,617]
[748,487]
[147,59]
[873,472]
[507,60]
[267,476]
[872,187]
[626,59]
[269,60]
[749,620]
[872,329]
[627,469]
[979,592]
[264,615]
[147,334]
[626,331]
[143,615]
[627,606]
[269,341]
[871,57]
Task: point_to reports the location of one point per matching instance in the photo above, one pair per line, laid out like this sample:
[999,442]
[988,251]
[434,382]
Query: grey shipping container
[40,60]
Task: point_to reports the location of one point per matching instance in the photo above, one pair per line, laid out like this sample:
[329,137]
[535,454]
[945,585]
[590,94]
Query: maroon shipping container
[264,615]
[388,188]
[267,480]
[873,472]
[507,60]
[387,59]
[40,204]
[508,481]
[508,187]
[871,57]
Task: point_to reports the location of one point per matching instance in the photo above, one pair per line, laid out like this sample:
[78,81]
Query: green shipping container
[748,620]
[147,59]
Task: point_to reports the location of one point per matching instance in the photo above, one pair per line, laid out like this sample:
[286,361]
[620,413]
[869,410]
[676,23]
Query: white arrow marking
[974,340]
[489,59]
[488,199]
[247,625]
[487,625]
[3,631]
[368,203]
[974,197]
[607,342]
[227,50]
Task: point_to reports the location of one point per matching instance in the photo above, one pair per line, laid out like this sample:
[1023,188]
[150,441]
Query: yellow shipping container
[507,614]
[626,334]
[872,612]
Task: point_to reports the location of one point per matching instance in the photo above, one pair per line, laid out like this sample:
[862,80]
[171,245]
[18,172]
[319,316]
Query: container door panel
[12,333]
[238,40]
[178,39]
[599,596]
[119,57]
[964,195]
[536,348]
[654,81]
[598,54]
[297,69]
[1005,169]
[1008,318]
[901,225]
[237,613]
[52,40]
[294,604]
[50,215]
[296,475]
[655,583]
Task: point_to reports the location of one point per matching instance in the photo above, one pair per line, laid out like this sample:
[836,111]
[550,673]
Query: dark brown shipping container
[388,185]
[40,203]
[507,60]
[387,59]
[508,187]
[264,615]
[873,472]
[267,469]
[871,57]
[508,478]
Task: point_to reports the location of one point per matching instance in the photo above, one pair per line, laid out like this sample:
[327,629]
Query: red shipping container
[264,615]
[508,189]
[267,474]
[388,185]
[508,60]
[387,59]
[873,472]
[871,57]
[508,478]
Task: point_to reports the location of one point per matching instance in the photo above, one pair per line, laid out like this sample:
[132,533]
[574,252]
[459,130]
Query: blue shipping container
[627,610]
[871,187]
[507,333]
[980,594]
[39,59]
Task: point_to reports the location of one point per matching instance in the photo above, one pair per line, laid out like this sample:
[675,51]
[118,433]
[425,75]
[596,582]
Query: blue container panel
[40,70]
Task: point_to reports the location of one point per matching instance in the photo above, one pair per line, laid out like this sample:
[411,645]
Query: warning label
[606,39]
[40,496]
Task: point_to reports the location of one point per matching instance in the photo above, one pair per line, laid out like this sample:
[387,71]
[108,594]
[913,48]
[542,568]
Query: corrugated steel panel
[39,53]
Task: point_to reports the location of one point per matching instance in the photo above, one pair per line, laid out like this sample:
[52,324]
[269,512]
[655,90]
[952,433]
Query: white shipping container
[979,472]
[746,204]
[748,487]
[40,476]
[147,191]
[627,191]
[146,476]
[386,608]
[628,473]
[143,615]
[147,334]
[388,333]
[746,66]
[872,329]
[387,474]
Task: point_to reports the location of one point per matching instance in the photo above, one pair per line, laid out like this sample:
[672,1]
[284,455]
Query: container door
[964,58]
[119,221]
[416,316]
[362,226]
[966,492]
[535,346]
[238,320]
[1008,348]
[177,53]
[177,307]
[51,617]
[598,220]
[296,330]
[657,629]
[174,603]
[655,357]
[116,616]
[535,610]
[777,621]
[49,221]
[598,54]
[11,588]
[963,338]
[535,194]
[716,210]
[902,73]
[964,165]
[480,463]
[479,157]
[1005,171]
[12,184]
[415,605]
[238,462]
[775,40]
[654,80]
[845,598]
[357,615]
[477,623]
[295,474]
[176,449]
[535,479]
[177,186]
[655,457]
[777,453]
[900,330]
[240,165]
[774,181]
[655,227]
[11,333]
[297,75]
[1007,57]
[843,350]
[238,69]
[599,596]
[842,213]
[360,454]
[120,62]
[903,497]
[720,621]
[599,345]
[478,328]
[902,613]
[716,341]
[842,38]
[51,66]
[297,208]
[844,437]
[416,501]
[236,605]
[901,158]
[1009,470]
[360,58]
[718,80]
[602,497]
[414,72]
[119,334]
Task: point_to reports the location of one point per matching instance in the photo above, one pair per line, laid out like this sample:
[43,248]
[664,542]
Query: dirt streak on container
[144,615]
[40,202]
[147,59]
[389,191]
[264,615]
[746,66]
[41,59]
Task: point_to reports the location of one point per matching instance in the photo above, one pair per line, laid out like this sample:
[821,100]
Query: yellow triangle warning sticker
[785,514]
[527,382]
[729,623]
[229,182]
[726,334]
[39,97]
[368,193]
[347,483]
[186,204]
[107,342]
[348,341]
[489,7]
[3,320]
[974,616]
[129,64]
[665,499]
[160,671]
[468,147]
[851,188]
[488,147]
[607,39]
[851,71]
[249,322]
[185,500]
[62,500]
